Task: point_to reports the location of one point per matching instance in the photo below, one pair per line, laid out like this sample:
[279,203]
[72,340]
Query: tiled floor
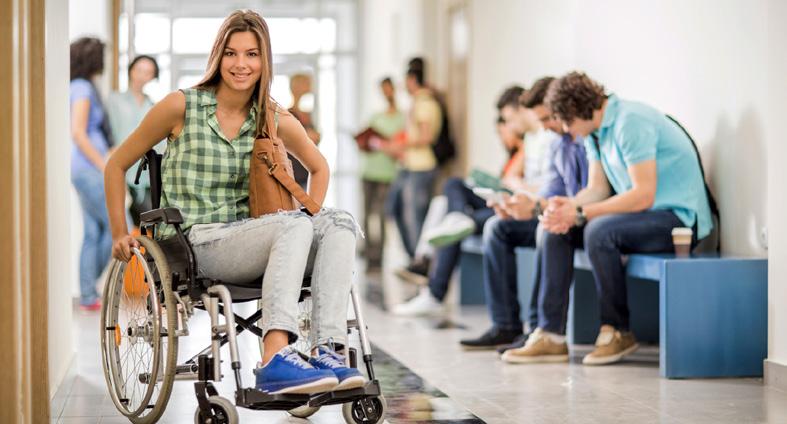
[473,381]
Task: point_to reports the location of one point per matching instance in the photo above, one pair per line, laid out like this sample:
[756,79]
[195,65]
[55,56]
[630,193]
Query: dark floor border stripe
[412,399]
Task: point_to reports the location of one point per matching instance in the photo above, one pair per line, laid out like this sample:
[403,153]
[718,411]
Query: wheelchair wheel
[304,411]
[222,412]
[369,410]
[304,319]
[138,343]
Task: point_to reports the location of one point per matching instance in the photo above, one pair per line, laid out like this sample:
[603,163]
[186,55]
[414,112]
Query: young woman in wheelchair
[211,129]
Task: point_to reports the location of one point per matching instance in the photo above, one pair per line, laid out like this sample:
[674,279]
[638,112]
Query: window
[194,35]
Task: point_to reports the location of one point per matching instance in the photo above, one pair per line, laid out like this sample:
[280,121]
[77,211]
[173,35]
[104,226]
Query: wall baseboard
[57,400]
[776,375]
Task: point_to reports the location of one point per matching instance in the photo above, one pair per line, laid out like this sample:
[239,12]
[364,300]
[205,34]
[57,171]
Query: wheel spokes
[135,337]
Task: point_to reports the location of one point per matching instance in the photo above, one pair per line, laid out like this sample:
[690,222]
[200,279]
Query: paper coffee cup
[681,238]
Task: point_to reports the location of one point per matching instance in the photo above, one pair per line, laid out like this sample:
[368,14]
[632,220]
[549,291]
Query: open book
[482,179]
[364,139]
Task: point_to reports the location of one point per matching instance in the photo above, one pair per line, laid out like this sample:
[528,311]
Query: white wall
[61,346]
[703,62]
[391,34]
[88,18]
[777,176]
[515,42]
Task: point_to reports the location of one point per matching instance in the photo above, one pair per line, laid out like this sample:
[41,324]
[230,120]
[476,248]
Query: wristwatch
[581,219]
[537,209]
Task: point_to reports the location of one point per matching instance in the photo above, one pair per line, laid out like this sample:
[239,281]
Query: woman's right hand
[121,247]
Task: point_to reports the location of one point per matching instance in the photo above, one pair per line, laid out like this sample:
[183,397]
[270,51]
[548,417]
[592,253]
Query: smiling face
[241,64]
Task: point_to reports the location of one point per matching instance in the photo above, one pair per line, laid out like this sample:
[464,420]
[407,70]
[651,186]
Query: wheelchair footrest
[371,388]
[255,399]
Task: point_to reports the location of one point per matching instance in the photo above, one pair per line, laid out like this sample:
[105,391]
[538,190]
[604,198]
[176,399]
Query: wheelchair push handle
[142,166]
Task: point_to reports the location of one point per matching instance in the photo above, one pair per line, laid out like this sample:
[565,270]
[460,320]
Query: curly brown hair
[87,58]
[575,96]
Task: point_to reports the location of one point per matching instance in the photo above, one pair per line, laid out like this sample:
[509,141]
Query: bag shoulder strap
[295,189]
[281,175]
[272,123]
[714,208]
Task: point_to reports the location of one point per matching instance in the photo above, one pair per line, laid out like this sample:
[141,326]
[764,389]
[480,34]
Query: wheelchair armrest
[165,215]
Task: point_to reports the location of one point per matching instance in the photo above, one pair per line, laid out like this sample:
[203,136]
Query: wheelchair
[147,303]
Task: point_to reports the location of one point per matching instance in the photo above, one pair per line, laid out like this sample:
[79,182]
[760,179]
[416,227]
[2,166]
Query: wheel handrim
[132,338]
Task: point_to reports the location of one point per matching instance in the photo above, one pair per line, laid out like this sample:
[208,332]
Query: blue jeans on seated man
[460,199]
[605,239]
[408,202]
[501,237]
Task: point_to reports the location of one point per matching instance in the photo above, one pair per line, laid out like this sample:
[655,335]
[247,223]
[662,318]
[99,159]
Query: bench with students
[707,312]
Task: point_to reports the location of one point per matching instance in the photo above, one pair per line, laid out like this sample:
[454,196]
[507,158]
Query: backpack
[444,148]
[714,207]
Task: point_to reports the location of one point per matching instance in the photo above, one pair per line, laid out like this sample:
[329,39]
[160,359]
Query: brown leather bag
[271,185]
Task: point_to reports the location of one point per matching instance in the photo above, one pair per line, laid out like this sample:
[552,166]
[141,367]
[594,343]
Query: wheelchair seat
[240,291]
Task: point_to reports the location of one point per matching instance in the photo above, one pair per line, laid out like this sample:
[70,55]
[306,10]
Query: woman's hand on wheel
[121,247]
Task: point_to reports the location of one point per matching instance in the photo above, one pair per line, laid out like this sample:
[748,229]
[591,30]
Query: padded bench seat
[709,312]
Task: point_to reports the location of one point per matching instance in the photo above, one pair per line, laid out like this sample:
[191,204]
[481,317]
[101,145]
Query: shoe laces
[534,337]
[330,358]
[294,357]
[605,337]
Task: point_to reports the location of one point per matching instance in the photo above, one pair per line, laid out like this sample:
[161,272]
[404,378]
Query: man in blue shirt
[645,180]
[516,225]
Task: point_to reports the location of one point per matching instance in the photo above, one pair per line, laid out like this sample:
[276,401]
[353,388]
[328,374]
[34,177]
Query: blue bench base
[471,273]
[708,314]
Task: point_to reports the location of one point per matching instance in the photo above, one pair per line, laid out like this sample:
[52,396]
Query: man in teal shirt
[644,180]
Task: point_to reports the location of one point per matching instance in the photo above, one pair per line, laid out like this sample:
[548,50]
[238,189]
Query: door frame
[23,216]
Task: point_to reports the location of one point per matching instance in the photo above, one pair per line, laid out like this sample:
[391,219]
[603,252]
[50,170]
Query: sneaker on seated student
[654,171]
[466,215]
[467,212]
[516,225]
[211,129]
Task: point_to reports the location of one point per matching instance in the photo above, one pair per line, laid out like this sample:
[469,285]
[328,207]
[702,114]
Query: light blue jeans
[284,247]
[408,203]
[97,239]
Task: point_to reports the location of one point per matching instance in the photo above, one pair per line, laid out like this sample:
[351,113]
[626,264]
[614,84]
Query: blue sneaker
[327,359]
[288,372]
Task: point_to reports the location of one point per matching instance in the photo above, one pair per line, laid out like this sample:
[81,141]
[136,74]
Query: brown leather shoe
[539,348]
[611,346]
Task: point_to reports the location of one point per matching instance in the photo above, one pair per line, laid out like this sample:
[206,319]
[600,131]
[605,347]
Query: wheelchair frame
[192,292]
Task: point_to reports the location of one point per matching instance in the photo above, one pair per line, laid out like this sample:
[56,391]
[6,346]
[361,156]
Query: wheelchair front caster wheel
[222,411]
[304,411]
[369,410]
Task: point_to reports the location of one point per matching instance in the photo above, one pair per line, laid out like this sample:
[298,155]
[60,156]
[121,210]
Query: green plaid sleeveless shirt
[203,173]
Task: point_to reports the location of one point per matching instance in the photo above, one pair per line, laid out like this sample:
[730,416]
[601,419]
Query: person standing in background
[301,85]
[378,171]
[92,140]
[409,198]
[126,111]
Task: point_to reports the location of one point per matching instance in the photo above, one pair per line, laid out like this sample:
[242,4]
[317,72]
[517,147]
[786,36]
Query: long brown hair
[244,21]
